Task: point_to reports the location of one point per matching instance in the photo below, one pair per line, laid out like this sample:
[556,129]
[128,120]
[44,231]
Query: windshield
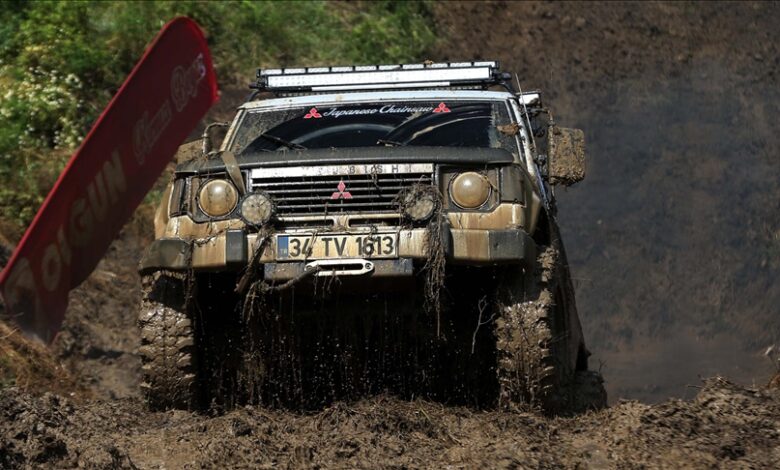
[412,123]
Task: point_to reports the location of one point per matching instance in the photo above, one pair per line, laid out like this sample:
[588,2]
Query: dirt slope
[674,236]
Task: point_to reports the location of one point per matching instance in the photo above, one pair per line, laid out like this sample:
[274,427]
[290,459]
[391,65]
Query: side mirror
[565,155]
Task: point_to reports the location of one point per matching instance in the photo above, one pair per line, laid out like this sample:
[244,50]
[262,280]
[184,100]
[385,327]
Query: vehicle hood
[355,155]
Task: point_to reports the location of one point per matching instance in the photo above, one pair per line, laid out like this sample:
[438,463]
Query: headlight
[257,209]
[470,190]
[418,205]
[217,198]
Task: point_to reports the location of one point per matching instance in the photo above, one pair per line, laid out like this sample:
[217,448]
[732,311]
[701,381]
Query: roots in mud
[434,268]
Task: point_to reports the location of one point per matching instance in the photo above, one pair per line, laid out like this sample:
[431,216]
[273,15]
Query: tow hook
[340,267]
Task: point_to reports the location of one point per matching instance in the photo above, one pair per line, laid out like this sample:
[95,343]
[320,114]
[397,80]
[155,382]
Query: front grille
[319,190]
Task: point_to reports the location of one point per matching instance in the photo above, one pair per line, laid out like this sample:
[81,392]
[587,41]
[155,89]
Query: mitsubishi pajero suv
[435,177]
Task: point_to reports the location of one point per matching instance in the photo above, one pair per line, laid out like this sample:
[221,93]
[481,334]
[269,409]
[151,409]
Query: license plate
[325,246]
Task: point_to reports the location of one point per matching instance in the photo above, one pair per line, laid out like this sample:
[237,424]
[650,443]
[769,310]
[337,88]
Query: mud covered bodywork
[335,204]
[305,185]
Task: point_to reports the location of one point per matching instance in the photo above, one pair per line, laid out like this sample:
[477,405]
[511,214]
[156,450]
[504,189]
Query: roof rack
[373,77]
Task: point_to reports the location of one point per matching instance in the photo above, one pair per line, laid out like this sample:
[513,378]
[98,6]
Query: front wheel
[168,352]
[541,357]
[531,340]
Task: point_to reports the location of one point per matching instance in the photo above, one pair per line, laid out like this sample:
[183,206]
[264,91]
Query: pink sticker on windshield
[313,113]
[442,108]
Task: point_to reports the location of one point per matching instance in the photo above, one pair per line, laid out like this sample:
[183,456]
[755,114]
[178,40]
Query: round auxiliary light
[418,206]
[257,209]
[217,198]
[470,190]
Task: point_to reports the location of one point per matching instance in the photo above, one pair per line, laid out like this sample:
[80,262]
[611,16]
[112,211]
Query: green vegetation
[61,62]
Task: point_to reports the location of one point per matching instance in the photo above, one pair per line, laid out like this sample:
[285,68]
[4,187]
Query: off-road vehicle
[367,228]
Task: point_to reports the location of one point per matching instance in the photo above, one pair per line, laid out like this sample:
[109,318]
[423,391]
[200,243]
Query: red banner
[167,93]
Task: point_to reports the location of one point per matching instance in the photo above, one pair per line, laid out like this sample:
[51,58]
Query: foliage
[60,63]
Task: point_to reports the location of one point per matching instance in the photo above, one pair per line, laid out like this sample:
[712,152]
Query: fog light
[217,198]
[418,206]
[470,190]
[257,209]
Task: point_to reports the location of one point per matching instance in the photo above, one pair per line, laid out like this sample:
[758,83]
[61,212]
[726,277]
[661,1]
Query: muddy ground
[60,425]
[674,239]
[725,426]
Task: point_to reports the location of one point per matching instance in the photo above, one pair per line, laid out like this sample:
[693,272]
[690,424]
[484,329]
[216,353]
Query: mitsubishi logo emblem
[442,108]
[313,114]
[341,193]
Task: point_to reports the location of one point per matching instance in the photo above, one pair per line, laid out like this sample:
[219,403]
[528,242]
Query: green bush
[60,63]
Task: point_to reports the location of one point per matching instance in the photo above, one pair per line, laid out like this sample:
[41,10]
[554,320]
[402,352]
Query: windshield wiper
[390,143]
[277,140]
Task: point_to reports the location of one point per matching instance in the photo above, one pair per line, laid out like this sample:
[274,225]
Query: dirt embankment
[674,236]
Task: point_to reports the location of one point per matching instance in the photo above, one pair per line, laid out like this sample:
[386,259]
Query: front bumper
[233,249]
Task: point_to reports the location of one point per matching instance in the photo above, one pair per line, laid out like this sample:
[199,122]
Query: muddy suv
[369,228]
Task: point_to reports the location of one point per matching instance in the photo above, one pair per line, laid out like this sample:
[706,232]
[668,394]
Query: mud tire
[531,344]
[167,350]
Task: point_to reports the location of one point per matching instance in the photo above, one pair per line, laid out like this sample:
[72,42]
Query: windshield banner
[170,89]
[387,109]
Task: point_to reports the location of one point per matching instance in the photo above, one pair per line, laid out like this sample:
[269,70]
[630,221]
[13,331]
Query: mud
[434,268]
[31,366]
[566,149]
[100,336]
[673,240]
[674,235]
[725,426]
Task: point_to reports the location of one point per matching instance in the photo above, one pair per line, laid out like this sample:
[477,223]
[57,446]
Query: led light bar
[364,77]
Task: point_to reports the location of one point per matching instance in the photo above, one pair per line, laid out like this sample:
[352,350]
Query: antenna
[533,146]
[525,114]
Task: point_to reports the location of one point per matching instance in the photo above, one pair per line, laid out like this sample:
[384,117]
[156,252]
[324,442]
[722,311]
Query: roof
[382,96]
